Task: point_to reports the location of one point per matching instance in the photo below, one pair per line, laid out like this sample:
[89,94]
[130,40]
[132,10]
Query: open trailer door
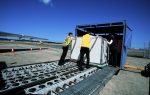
[122,33]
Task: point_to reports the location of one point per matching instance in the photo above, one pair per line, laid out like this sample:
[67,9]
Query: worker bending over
[86,42]
[66,45]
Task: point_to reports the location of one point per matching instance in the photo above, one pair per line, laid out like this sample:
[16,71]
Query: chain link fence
[147,50]
[143,53]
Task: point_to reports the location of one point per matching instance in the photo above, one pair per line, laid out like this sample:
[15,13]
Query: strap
[91,48]
[73,47]
[93,44]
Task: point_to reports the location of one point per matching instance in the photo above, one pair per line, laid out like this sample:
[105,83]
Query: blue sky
[53,19]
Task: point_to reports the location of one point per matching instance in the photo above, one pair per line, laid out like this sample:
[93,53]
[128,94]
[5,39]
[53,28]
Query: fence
[144,53]
[147,50]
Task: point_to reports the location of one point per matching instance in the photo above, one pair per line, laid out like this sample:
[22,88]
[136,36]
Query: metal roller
[44,78]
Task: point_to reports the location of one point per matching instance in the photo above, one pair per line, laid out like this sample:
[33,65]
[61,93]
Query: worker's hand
[73,38]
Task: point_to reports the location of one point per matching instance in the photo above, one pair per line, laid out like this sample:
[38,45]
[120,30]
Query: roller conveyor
[49,78]
[43,78]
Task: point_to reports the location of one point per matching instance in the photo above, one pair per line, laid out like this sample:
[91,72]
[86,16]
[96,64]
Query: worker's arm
[73,38]
[69,40]
[92,37]
[110,42]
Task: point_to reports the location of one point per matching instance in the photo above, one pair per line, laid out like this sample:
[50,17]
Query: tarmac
[124,83]
[29,56]
[128,82]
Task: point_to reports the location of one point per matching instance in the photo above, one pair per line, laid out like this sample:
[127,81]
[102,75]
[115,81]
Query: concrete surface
[125,83]
[128,82]
[18,46]
[29,57]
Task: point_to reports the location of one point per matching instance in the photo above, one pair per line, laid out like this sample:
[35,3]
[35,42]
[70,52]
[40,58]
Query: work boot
[60,63]
[81,69]
[87,66]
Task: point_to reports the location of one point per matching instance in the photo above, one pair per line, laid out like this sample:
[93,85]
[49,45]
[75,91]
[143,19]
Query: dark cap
[70,33]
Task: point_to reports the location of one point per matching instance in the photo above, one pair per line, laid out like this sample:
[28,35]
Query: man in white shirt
[113,51]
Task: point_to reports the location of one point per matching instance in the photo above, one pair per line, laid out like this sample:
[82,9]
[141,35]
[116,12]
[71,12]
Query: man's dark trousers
[113,56]
[62,58]
[84,51]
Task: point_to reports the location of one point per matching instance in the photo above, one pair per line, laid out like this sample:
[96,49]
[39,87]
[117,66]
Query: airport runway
[19,47]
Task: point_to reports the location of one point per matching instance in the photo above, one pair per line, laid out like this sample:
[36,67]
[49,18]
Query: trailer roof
[115,27]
